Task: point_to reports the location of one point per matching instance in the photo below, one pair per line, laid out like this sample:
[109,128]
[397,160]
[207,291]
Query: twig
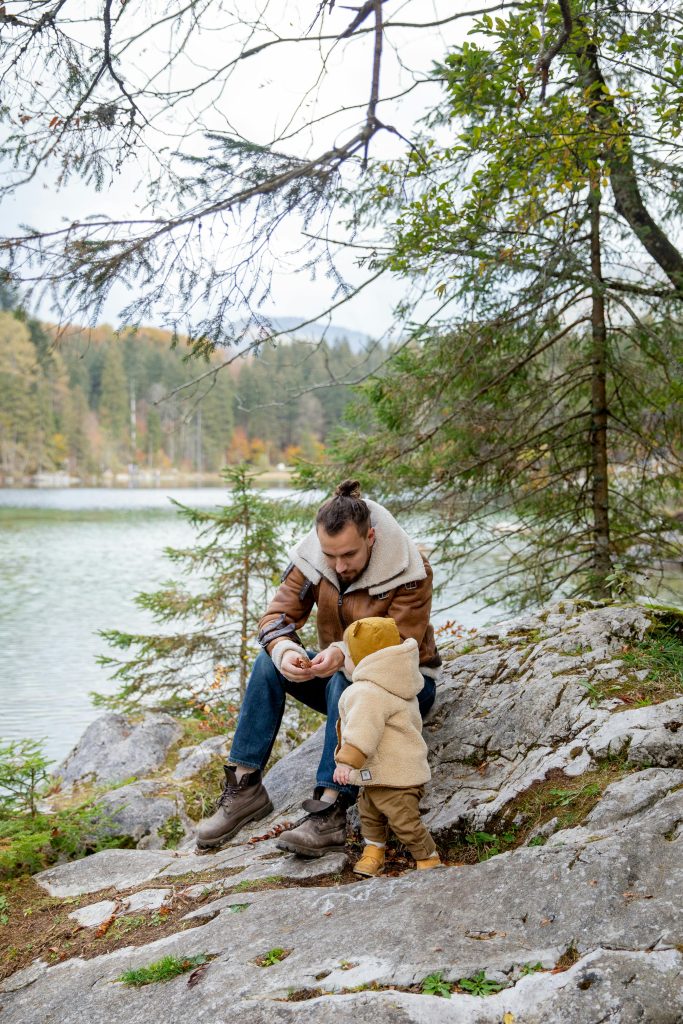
[371,123]
[545,59]
[106,16]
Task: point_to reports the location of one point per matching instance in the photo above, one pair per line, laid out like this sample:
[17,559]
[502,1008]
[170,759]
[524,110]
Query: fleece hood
[396,669]
[395,558]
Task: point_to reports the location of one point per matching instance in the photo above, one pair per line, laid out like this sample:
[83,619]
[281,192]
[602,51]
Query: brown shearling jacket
[394,558]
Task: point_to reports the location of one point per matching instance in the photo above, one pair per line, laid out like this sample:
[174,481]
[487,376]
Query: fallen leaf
[105,926]
[508,1018]
[196,976]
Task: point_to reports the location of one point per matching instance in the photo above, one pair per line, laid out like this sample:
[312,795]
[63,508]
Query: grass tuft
[162,970]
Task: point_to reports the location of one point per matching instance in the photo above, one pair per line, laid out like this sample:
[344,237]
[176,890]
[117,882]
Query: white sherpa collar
[395,558]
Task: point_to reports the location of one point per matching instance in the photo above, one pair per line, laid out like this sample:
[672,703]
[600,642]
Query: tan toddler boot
[371,863]
[431,862]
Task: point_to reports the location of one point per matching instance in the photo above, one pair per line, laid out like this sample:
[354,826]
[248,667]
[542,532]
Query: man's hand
[342,774]
[327,662]
[296,666]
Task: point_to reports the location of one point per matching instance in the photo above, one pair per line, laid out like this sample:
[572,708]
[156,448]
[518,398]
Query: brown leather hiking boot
[321,831]
[239,803]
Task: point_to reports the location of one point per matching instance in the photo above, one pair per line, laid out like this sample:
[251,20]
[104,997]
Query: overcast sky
[282,88]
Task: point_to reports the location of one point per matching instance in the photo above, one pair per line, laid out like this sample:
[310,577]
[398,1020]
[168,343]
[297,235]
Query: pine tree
[228,575]
[546,390]
[20,439]
[114,399]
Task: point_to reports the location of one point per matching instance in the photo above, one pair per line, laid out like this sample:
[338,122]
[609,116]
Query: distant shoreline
[144,479]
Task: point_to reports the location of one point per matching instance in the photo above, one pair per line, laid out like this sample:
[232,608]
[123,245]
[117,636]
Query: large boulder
[144,813]
[580,919]
[195,759]
[115,748]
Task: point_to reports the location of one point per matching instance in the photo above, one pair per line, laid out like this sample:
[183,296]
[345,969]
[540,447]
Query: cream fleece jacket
[380,728]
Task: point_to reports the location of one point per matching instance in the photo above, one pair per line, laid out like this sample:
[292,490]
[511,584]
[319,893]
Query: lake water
[71,561]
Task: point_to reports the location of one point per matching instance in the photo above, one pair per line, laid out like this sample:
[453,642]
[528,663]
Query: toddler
[380,745]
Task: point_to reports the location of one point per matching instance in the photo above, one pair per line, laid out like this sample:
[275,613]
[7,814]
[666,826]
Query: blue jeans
[264,704]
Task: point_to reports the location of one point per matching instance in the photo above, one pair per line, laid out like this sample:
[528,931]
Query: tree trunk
[599,486]
[628,200]
[246,566]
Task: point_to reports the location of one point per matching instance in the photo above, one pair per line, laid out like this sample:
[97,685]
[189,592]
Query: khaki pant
[379,806]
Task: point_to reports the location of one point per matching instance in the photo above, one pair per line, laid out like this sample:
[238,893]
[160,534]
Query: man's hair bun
[346,506]
[348,489]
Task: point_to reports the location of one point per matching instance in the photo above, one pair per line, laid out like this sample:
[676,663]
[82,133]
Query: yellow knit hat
[365,636]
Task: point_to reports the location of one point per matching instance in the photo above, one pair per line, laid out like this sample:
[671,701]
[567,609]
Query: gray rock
[292,779]
[122,869]
[530,906]
[519,710]
[114,748]
[633,795]
[138,811]
[146,899]
[125,869]
[194,759]
[95,914]
[648,735]
[609,890]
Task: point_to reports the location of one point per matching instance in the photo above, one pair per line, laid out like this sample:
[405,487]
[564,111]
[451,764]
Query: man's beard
[350,577]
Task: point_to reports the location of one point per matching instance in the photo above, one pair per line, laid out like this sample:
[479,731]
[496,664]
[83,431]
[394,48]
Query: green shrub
[23,771]
[31,839]
[30,843]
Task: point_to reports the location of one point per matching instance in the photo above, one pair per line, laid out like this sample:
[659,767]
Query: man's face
[347,552]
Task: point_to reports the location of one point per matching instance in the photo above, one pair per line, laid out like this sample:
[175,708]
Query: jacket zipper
[339,610]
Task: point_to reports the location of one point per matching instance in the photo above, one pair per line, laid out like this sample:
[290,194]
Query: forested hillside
[92,403]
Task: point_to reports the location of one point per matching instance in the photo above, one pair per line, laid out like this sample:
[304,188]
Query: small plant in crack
[488,844]
[273,956]
[480,985]
[434,985]
[565,797]
[249,884]
[527,969]
[593,692]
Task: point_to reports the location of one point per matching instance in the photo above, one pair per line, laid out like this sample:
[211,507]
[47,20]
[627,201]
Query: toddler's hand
[342,774]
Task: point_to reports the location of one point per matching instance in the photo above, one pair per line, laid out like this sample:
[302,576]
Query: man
[355,563]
